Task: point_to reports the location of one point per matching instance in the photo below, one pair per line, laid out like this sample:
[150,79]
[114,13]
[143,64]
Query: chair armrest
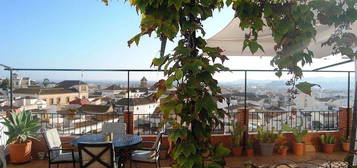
[145,149]
[61,149]
[151,142]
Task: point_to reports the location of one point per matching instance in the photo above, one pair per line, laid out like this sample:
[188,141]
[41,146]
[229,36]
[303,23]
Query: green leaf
[178,74]
[221,151]
[305,87]
[135,39]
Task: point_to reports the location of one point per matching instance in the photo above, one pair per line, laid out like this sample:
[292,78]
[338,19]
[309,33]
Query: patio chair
[148,155]
[2,157]
[114,127]
[56,153]
[96,155]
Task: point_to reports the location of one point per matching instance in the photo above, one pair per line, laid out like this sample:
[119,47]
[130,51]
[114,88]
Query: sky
[88,34]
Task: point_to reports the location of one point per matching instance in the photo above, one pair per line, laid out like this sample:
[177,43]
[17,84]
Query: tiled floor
[232,162]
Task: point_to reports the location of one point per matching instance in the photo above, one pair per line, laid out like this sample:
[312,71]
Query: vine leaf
[305,87]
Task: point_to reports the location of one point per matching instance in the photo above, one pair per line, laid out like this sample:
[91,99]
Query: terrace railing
[310,120]
[318,120]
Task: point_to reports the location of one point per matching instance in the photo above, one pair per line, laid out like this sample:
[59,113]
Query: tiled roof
[96,108]
[79,101]
[69,83]
[136,101]
[114,87]
[42,91]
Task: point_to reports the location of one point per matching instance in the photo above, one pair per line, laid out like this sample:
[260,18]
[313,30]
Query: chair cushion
[52,138]
[143,155]
[66,157]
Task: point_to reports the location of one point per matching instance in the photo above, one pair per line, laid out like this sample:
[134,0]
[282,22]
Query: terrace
[243,106]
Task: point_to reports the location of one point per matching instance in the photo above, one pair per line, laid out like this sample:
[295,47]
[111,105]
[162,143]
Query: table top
[125,140]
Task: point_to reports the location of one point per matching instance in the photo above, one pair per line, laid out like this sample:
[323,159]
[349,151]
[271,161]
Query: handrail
[152,70]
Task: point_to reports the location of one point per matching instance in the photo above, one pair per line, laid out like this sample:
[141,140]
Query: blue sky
[86,34]
[77,34]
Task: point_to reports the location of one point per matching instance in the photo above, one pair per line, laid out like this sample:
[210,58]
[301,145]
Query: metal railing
[140,127]
[76,124]
[309,120]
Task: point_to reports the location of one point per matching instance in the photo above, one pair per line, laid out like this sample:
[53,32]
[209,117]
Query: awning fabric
[231,39]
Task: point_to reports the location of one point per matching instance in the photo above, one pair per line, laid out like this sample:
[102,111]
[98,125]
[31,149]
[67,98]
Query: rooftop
[67,84]
[96,108]
[136,101]
[42,91]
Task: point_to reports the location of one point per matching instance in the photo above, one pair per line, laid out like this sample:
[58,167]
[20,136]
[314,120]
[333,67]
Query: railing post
[343,121]
[129,120]
[348,104]
[128,124]
[11,98]
[245,111]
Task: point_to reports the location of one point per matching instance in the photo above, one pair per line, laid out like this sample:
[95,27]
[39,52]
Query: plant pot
[267,149]
[283,152]
[20,153]
[346,146]
[250,152]
[237,151]
[328,148]
[299,149]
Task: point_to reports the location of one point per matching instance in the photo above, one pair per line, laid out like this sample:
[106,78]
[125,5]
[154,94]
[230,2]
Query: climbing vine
[189,94]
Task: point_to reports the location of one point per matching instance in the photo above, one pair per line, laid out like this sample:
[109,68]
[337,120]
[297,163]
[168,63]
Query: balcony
[247,102]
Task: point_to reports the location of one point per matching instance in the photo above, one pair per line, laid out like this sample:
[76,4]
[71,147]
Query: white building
[144,105]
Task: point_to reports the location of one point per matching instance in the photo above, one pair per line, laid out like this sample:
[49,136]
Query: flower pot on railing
[346,146]
[237,151]
[250,152]
[267,149]
[283,152]
[345,143]
[328,143]
[299,149]
[328,148]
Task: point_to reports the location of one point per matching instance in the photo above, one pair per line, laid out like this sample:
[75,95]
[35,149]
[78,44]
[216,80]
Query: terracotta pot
[237,151]
[328,148]
[283,152]
[346,146]
[267,149]
[299,149]
[20,153]
[250,152]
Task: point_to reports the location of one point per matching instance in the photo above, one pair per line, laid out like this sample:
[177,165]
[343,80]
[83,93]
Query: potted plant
[283,150]
[328,142]
[21,128]
[299,133]
[250,147]
[267,140]
[345,143]
[237,133]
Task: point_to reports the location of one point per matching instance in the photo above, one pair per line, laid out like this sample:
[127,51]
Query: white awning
[231,39]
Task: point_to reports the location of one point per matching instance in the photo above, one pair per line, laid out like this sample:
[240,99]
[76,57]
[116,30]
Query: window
[67,99]
[83,88]
[137,108]
[59,100]
[51,101]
